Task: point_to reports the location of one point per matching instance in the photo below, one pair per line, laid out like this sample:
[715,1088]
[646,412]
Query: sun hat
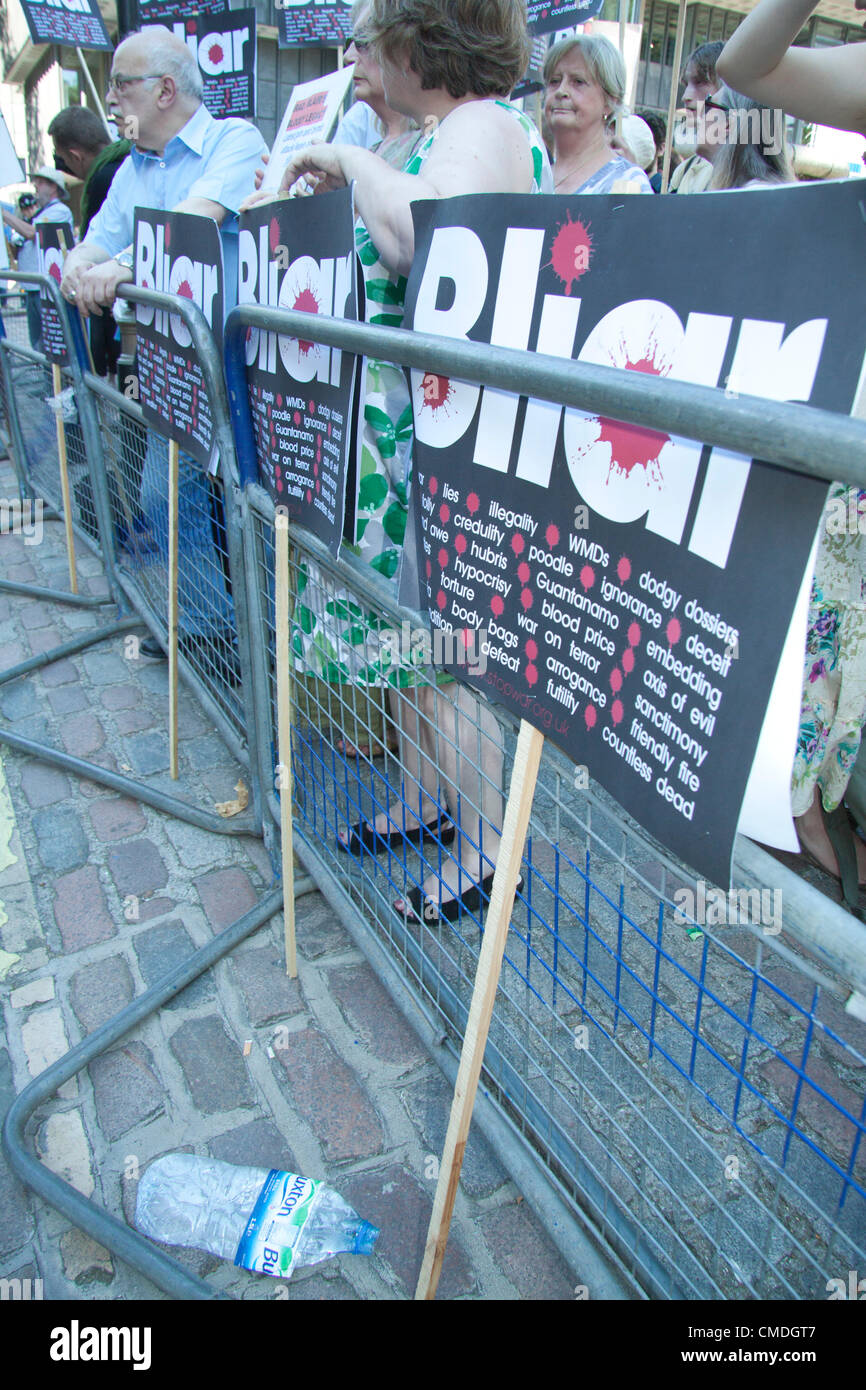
[53,176]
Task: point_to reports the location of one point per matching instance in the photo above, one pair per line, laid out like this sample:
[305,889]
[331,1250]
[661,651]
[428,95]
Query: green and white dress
[333,636]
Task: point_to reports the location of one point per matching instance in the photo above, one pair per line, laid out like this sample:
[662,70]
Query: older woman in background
[449,66]
[584,87]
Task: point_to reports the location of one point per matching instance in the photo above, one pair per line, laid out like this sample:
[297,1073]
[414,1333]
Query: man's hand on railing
[94,288]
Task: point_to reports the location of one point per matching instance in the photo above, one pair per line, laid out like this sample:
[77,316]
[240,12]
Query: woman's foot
[386,832]
[365,750]
[449,893]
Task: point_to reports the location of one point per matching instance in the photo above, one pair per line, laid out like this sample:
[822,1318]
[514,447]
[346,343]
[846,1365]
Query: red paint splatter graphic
[442,558]
[433,487]
[571,252]
[628,661]
[526,598]
[518,544]
[445,513]
[623,569]
[551,535]
[617,713]
[441,600]
[184,289]
[633,445]
[634,634]
[307,303]
[437,390]
[279,401]
[531,674]
[273,234]
[523,572]
[460,544]
[531,649]
[673,632]
[167,236]
[590,716]
[429,568]
[472,503]
[297,417]
[55,272]
[215,53]
[497,607]
[616,680]
[587,577]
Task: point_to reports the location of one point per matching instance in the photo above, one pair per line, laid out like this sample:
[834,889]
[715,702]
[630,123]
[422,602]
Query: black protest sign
[299,253]
[54,240]
[304,22]
[78,23]
[224,46]
[167,11]
[180,254]
[546,16]
[635,588]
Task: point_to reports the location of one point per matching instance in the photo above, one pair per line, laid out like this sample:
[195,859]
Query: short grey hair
[604,62]
[165,56]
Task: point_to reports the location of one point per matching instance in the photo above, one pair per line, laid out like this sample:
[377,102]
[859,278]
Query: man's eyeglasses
[118,83]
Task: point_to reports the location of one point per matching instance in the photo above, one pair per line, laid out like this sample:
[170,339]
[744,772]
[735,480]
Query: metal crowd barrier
[107,450]
[694,1094]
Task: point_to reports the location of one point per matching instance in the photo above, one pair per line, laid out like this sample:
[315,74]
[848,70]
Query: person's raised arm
[18,224]
[827,85]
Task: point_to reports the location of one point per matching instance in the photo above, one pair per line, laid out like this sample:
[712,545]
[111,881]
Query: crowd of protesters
[432,120]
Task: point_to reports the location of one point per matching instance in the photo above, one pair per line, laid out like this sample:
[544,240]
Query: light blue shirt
[28,256]
[206,159]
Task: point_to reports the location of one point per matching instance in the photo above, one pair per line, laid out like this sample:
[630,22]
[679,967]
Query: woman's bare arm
[827,85]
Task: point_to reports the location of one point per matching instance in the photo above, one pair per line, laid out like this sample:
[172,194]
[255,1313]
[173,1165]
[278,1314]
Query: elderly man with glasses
[182,160]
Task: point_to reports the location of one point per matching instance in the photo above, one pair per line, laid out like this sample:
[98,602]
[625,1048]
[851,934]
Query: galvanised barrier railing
[695,1093]
[109,448]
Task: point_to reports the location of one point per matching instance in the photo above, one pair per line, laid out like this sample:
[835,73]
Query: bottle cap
[365,1239]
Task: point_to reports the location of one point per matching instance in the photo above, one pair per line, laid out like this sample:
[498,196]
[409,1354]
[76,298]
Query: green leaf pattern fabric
[330,634]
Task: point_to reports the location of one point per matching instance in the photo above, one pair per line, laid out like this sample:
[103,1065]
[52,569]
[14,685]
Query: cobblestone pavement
[99,897]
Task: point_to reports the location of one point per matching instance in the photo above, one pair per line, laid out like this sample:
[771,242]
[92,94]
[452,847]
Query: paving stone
[80,909]
[153,675]
[101,990]
[116,818]
[268,991]
[44,640]
[226,894]
[21,574]
[256,1145]
[525,1254]
[43,785]
[18,701]
[36,992]
[394,1200]
[150,908]
[116,697]
[60,839]
[195,848]
[16,1226]
[68,699]
[82,734]
[43,1036]
[59,673]
[64,1148]
[133,721]
[147,752]
[105,668]
[321,1289]
[814,1112]
[137,867]
[330,1097]
[159,950]
[428,1104]
[317,930]
[372,1014]
[126,1089]
[213,1065]
[85,1262]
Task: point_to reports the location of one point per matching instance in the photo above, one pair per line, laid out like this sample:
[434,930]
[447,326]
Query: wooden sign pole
[517,811]
[173,470]
[284,735]
[64,484]
[672,104]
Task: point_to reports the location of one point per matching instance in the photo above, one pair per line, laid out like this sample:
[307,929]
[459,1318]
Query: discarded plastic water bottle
[271,1222]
